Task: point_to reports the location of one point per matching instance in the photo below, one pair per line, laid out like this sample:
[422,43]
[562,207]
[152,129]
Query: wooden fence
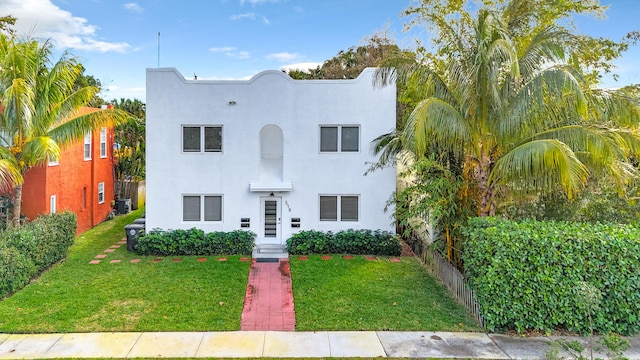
[454,281]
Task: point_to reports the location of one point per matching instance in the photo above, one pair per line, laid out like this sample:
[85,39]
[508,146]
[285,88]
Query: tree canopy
[508,106]
[40,108]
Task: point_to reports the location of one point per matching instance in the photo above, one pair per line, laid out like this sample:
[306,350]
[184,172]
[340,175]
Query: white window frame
[202,149]
[53,162]
[100,192]
[338,207]
[103,142]
[339,139]
[202,208]
[52,204]
[87,146]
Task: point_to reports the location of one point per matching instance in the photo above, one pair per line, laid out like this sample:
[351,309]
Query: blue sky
[236,39]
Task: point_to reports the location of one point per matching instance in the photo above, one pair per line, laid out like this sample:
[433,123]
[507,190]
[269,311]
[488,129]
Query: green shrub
[529,274]
[16,269]
[310,242]
[363,242]
[45,240]
[195,242]
[34,247]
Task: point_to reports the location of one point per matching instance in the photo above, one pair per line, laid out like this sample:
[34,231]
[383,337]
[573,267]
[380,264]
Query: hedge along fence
[29,250]
[195,242]
[357,242]
[532,274]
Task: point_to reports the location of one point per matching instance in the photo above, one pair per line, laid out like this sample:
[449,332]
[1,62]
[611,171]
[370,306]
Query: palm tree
[39,109]
[517,114]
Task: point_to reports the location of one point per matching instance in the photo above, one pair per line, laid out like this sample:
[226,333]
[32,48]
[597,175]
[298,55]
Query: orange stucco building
[81,181]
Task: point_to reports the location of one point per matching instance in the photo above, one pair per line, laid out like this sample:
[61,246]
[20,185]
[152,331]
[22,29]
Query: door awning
[270,186]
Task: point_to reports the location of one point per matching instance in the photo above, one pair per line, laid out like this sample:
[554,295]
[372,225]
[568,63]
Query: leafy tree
[504,92]
[130,137]
[40,109]
[83,81]
[6,24]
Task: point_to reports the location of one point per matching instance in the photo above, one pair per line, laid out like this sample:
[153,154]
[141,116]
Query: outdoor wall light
[232,102]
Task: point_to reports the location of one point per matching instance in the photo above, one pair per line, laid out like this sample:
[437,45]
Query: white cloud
[303,66]
[43,19]
[231,51]
[284,56]
[250,16]
[133,7]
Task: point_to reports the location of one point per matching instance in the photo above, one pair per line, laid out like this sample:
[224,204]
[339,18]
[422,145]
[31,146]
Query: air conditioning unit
[124,206]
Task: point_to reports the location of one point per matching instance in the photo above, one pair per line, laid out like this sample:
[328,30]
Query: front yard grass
[359,294]
[75,296]
[189,295]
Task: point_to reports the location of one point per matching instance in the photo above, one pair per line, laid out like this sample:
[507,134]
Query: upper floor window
[202,138]
[343,207]
[87,145]
[339,138]
[103,142]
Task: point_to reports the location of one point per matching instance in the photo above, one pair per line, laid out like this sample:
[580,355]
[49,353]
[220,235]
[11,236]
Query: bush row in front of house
[195,242]
[29,250]
[544,275]
[357,242]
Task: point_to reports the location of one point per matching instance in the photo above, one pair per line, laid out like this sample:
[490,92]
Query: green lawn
[336,294]
[75,296]
[359,294]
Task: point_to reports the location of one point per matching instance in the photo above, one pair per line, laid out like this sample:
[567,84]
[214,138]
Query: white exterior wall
[243,108]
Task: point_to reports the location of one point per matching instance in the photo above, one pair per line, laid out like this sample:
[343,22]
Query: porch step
[274,251]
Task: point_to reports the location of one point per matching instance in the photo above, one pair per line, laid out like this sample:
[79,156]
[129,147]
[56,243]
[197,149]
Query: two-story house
[271,154]
[81,181]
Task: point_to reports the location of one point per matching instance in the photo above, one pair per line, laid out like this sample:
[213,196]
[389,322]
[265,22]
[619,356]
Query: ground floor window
[52,204]
[202,208]
[342,207]
[100,192]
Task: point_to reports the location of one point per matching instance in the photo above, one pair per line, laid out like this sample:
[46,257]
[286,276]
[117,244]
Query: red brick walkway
[268,304]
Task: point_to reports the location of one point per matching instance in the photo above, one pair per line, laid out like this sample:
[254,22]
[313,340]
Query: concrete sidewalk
[273,344]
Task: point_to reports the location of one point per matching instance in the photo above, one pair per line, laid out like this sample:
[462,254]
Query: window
[52,204]
[346,211]
[195,206]
[53,162]
[202,138]
[87,146]
[103,143]
[100,193]
[339,138]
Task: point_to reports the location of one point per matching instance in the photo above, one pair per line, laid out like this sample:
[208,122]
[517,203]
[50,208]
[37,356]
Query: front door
[270,211]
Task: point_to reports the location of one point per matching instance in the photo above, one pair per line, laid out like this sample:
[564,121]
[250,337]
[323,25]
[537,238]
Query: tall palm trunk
[485,206]
[17,205]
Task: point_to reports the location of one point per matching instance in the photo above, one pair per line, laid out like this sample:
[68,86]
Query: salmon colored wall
[67,180]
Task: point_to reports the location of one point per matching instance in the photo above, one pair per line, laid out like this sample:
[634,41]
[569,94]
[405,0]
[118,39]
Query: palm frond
[540,165]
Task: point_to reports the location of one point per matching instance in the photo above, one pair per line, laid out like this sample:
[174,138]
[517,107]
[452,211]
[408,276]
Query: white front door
[270,231]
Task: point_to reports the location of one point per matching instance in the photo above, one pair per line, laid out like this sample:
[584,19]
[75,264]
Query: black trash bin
[140,221]
[133,231]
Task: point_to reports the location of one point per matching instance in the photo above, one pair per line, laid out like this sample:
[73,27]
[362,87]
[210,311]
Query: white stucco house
[271,154]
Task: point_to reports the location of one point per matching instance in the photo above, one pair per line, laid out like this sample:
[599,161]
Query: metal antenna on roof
[158,48]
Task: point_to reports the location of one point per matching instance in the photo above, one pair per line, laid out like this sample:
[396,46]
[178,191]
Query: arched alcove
[271,151]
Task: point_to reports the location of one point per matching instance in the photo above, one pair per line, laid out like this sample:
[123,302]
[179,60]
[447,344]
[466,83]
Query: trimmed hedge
[357,242]
[195,242]
[33,248]
[528,275]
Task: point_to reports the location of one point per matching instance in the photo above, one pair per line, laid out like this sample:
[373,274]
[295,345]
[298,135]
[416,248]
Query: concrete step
[277,251]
